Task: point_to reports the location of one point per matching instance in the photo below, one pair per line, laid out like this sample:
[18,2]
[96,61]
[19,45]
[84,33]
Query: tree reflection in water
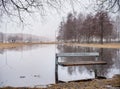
[1,51]
[111,56]
[21,48]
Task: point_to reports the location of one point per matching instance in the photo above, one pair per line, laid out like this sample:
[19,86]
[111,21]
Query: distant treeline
[18,37]
[90,28]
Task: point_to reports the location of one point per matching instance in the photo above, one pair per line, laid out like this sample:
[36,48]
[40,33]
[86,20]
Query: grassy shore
[12,45]
[105,45]
[96,45]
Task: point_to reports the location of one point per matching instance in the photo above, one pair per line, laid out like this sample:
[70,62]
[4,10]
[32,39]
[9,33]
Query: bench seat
[82,63]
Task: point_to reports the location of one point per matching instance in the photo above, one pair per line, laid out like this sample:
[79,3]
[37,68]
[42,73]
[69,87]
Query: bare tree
[69,31]
[105,26]
[61,32]
[87,27]
[1,37]
[98,27]
[19,7]
[117,28]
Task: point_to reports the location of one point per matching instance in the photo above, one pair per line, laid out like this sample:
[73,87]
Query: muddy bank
[112,83]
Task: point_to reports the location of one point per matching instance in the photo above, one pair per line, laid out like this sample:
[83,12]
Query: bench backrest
[85,54]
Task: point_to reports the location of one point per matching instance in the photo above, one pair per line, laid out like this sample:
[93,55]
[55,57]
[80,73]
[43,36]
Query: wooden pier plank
[82,63]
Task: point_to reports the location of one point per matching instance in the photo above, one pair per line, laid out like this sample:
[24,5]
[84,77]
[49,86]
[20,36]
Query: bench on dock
[80,63]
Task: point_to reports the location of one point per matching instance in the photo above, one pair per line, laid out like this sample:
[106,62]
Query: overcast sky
[48,25]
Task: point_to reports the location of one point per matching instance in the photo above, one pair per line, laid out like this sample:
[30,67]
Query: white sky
[46,26]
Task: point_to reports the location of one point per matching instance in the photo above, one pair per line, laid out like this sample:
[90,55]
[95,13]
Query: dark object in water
[101,77]
[22,76]
[36,75]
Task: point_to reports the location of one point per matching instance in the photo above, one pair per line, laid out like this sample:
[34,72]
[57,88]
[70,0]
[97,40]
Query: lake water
[31,66]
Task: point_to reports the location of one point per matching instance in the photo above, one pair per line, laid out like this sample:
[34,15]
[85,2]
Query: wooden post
[56,68]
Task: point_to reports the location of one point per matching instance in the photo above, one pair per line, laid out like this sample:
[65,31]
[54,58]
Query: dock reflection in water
[111,56]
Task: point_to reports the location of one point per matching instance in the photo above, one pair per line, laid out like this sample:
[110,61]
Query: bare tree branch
[4,6]
[110,5]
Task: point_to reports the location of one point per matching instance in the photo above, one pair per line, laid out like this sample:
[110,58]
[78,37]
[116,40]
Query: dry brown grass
[106,45]
[113,83]
[11,45]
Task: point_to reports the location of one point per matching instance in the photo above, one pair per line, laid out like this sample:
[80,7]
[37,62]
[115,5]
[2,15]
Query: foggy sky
[48,24]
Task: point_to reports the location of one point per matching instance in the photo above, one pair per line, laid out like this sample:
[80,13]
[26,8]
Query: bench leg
[56,70]
[95,71]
